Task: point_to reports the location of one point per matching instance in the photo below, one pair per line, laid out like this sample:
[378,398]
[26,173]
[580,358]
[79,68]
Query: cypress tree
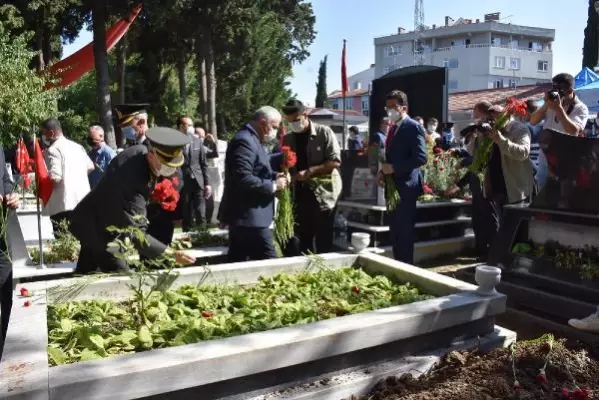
[321,85]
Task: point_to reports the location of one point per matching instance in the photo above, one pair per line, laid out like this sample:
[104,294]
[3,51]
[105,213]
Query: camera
[553,95]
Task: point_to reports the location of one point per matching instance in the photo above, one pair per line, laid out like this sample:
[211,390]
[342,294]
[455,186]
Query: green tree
[590,51]
[24,103]
[321,85]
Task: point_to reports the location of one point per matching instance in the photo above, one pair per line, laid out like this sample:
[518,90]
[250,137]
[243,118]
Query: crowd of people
[107,188]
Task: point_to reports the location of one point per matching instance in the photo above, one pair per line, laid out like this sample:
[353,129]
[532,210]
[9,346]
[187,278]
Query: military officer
[132,119]
[125,192]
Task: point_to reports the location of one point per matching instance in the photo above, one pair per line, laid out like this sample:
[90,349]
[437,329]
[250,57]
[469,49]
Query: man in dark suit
[405,154]
[124,193]
[247,206]
[9,199]
[196,186]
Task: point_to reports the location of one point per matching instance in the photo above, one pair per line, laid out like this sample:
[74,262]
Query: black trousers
[209,209]
[6,291]
[56,219]
[401,227]
[162,227]
[193,205]
[248,243]
[314,226]
[91,261]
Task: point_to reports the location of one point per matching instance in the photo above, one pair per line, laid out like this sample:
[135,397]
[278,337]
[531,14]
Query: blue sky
[359,22]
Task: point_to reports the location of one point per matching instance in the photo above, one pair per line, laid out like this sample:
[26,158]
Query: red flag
[42,177]
[77,64]
[344,85]
[23,160]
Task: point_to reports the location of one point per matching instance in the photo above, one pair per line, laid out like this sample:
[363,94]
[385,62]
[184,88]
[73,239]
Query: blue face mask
[129,133]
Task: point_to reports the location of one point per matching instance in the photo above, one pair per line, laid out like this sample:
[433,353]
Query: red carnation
[207,314]
[437,150]
[289,157]
[355,290]
[166,195]
[542,378]
[441,169]
[27,304]
[427,189]
[175,181]
[24,292]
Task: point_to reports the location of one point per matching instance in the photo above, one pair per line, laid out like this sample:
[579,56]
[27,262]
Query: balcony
[487,45]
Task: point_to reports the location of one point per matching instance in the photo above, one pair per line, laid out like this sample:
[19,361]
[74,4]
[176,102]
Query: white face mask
[129,132]
[272,134]
[394,115]
[297,126]
[431,128]
[190,130]
[46,141]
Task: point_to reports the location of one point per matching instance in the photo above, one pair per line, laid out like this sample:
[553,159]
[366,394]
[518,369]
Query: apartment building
[479,54]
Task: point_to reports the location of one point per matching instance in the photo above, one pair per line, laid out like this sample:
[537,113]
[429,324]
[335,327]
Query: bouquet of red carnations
[284,220]
[391,193]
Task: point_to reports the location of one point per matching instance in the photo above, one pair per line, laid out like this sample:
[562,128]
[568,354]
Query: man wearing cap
[247,206]
[132,119]
[124,193]
[318,158]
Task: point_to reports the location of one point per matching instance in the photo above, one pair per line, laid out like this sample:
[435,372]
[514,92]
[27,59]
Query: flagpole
[39,213]
[343,89]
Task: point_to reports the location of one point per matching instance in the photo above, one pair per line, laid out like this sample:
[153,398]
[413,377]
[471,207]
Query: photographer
[562,110]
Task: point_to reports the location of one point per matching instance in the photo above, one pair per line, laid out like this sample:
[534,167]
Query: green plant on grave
[65,247]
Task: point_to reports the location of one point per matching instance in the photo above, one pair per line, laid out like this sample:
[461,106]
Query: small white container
[487,278]
[360,241]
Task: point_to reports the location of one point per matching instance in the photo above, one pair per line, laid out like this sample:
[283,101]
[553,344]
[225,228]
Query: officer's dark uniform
[161,222]
[123,193]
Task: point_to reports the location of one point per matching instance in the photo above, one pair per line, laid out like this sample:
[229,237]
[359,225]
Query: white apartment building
[361,80]
[478,54]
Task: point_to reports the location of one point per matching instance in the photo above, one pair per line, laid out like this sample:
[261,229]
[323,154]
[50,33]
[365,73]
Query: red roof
[463,101]
[350,93]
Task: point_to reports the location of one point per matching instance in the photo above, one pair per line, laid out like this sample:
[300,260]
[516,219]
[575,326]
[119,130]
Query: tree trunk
[39,47]
[47,49]
[211,83]
[121,70]
[182,81]
[102,78]
[202,79]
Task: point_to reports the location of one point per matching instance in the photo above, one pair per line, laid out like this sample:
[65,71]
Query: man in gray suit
[196,186]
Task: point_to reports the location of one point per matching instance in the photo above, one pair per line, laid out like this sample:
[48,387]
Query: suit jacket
[195,168]
[123,193]
[407,153]
[248,196]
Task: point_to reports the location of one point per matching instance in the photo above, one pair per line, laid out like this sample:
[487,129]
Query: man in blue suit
[247,206]
[405,154]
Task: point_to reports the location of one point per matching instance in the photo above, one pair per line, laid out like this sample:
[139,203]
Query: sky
[360,21]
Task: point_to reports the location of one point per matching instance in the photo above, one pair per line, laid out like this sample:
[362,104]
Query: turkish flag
[42,177]
[23,160]
[344,84]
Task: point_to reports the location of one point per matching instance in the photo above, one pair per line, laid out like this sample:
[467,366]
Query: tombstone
[16,242]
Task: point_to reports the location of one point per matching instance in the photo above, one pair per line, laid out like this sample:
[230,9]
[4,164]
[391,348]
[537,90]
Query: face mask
[129,133]
[297,126]
[46,141]
[431,128]
[272,134]
[190,130]
[394,115]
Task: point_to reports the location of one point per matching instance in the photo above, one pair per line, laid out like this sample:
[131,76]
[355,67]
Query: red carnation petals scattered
[427,189]
[437,150]
[289,157]
[207,314]
[24,292]
[165,193]
[355,290]
[27,303]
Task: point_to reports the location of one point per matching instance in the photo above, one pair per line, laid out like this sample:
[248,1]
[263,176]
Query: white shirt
[68,163]
[578,115]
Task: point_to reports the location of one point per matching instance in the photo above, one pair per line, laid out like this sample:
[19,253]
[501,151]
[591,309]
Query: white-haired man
[247,206]
[101,154]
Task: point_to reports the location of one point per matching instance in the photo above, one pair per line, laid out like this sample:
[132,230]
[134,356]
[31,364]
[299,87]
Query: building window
[514,63]
[458,43]
[453,63]
[499,62]
[335,105]
[535,46]
[543,66]
[349,104]
[513,83]
[364,105]
[498,84]
[386,69]
[496,41]
[452,85]
[514,44]
[366,113]
[391,51]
